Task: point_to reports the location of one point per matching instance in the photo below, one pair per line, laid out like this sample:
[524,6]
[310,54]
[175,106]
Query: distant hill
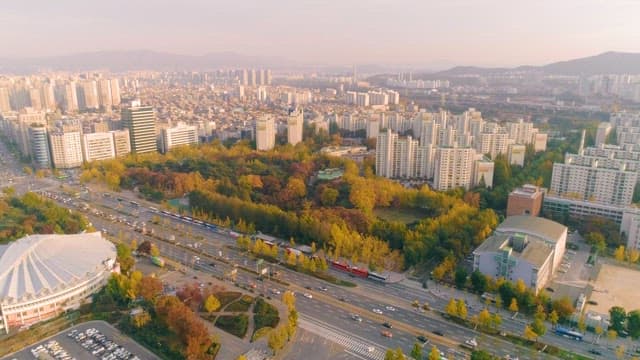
[136,60]
[605,63]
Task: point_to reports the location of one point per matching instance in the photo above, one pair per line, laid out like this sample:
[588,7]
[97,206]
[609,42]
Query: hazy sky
[419,32]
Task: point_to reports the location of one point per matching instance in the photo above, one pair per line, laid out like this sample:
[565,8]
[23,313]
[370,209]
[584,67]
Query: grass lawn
[265,315]
[227,297]
[235,325]
[240,305]
[406,216]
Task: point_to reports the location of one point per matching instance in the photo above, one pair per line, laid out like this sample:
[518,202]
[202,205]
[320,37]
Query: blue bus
[571,334]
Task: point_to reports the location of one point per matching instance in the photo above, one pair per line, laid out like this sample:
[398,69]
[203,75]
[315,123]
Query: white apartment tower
[66,149]
[453,167]
[385,151]
[295,122]
[98,146]
[265,133]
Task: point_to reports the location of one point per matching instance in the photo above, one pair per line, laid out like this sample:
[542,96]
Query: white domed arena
[42,276]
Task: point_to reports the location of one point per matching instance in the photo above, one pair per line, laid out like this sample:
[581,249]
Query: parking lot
[92,340]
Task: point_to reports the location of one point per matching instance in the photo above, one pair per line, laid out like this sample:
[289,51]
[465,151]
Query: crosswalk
[359,346]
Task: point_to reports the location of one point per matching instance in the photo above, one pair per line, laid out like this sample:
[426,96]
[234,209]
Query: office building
[180,135]
[295,122]
[39,146]
[141,123]
[523,248]
[265,133]
[98,146]
[526,200]
[121,142]
[66,149]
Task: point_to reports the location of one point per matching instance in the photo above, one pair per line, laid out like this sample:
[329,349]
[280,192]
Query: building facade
[141,123]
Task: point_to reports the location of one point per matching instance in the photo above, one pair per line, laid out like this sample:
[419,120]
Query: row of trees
[282,334]
[623,322]
[416,353]
[33,214]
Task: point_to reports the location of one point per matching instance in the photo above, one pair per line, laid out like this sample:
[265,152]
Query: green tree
[617,318]
[539,327]
[329,196]
[553,318]
[416,351]
[478,282]
[461,277]
[211,304]
[633,323]
[481,355]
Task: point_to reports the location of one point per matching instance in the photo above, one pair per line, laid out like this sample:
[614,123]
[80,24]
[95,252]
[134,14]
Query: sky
[332,32]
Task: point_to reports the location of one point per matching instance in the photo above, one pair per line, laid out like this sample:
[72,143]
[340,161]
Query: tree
[461,277]
[564,307]
[452,307]
[633,323]
[619,253]
[389,355]
[597,240]
[553,318]
[154,251]
[150,288]
[289,299]
[620,349]
[434,354]
[329,196]
[484,318]
[617,318]
[598,330]
[521,288]
[211,304]
[498,302]
[496,321]
[539,327]
[529,334]
[140,319]
[461,309]
[416,352]
[633,255]
[134,245]
[277,338]
[514,305]
[612,335]
[478,282]
[241,357]
[582,324]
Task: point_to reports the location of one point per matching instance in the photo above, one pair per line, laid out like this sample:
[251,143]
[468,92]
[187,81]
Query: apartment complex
[295,120]
[66,149]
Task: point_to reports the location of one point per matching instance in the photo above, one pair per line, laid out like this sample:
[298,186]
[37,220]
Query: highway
[325,314]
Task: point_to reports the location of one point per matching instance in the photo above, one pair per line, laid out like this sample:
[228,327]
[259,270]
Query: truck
[157,261]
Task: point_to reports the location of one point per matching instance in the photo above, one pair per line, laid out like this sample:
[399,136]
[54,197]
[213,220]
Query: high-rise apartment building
[295,122]
[115,92]
[385,152]
[517,154]
[87,92]
[141,123]
[104,93]
[5,105]
[453,167]
[373,128]
[179,135]
[70,97]
[66,149]
[586,178]
[265,133]
[602,133]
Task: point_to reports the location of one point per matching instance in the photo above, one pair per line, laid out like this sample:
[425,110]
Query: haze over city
[424,34]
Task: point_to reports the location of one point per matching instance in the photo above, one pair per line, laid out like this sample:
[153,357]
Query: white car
[275,291]
[390,308]
[377,311]
[308,296]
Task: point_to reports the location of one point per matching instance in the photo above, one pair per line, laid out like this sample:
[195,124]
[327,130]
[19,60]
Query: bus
[571,334]
[377,277]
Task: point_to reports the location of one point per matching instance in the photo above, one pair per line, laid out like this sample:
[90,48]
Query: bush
[260,333]
[241,305]
[227,297]
[235,325]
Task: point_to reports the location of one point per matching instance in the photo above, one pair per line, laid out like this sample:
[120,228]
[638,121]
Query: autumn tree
[452,307]
[150,288]
[461,309]
[434,354]
[619,253]
[154,251]
[513,307]
[211,304]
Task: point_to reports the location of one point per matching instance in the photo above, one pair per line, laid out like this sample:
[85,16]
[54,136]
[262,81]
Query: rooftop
[530,225]
[43,264]
[535,252]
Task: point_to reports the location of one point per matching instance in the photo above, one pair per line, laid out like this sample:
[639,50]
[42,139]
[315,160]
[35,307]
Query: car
[275,291]
[307,295]
[356,317]
[595,352]
[323,288]
[422,338]
[387,325]
[341,298]
[377,311]
[308,287]
[386,333]
[438,332]
[390,308]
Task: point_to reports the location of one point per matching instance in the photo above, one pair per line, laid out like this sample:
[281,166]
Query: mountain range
[605,63]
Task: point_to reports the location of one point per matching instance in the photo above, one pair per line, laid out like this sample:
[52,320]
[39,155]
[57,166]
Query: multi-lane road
[329,312]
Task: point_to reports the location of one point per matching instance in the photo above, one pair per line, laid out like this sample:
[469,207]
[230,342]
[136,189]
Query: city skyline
[376,32]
